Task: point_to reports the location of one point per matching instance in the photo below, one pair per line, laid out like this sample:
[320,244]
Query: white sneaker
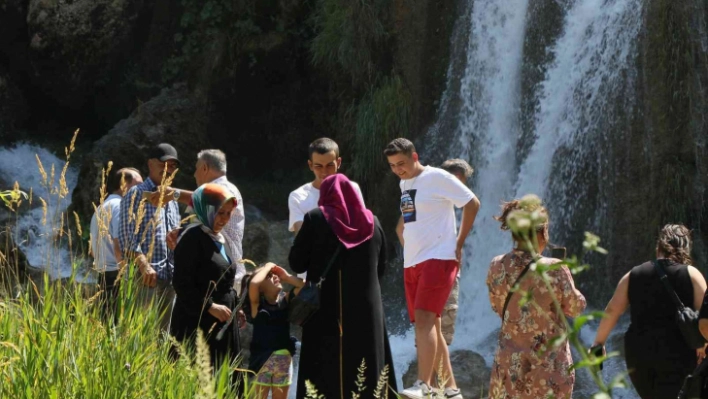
[419,390]
[452,393]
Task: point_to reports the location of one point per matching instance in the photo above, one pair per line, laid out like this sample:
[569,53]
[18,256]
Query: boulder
[174,117]
[13,15]
[471,373]
[267,241]
[13,108]
[75,46]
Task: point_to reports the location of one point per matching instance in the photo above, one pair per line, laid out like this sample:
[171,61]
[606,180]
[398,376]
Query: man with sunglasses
[146,245]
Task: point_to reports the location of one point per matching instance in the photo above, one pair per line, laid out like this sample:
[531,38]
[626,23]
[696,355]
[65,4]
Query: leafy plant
[348,36]
[206,24]
[382,115]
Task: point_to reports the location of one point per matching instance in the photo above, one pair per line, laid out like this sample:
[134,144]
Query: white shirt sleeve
[449,187]
[296,214]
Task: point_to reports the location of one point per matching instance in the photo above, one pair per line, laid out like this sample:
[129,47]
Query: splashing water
[591,59]
[35,238]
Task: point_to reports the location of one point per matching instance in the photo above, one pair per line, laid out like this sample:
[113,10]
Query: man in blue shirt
[146,243]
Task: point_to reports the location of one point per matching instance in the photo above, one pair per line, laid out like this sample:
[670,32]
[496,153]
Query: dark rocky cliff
[248,68]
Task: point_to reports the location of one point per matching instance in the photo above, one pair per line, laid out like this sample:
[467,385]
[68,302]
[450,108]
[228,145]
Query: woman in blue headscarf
[204,277]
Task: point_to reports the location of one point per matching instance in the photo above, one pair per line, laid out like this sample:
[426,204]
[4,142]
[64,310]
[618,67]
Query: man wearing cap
[147,244]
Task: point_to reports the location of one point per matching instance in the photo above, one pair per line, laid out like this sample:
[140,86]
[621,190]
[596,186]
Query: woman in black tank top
[657,357]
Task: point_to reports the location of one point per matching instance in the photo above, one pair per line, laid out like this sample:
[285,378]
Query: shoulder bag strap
[329,265]
[667,285]
[511,290]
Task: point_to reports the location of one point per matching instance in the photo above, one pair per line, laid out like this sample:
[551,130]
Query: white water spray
[34,237]
[590,59]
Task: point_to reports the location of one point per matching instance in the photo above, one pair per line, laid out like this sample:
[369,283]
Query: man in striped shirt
[146,245]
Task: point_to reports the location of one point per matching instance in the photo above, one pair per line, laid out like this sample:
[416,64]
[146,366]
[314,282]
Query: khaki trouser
[161,296]
[449,314]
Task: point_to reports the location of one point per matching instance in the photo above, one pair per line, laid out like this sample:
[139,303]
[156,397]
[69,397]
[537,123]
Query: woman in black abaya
[349,327]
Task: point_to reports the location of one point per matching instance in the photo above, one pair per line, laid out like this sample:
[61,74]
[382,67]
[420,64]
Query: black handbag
[686,318]
[306,303]
[694,386]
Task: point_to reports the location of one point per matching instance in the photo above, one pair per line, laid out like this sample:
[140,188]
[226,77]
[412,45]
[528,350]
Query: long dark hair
[675,243]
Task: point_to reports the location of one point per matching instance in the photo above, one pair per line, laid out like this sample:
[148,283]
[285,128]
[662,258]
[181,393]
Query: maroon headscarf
[345,211]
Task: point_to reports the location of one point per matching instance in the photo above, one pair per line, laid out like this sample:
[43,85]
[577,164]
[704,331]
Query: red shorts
[428,285]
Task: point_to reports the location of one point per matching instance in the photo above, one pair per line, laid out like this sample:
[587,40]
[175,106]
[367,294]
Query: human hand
[279,271]
[172,237]
[458,253]
[154,197]
[597,350]
[241,319]
[700,354]
[149,275]
[220,312]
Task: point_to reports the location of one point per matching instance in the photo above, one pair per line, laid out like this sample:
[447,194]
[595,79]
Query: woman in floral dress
[522,368]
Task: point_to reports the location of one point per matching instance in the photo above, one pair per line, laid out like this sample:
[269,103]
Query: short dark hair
[458,166]
[322,146]
[115,179]
[399,146]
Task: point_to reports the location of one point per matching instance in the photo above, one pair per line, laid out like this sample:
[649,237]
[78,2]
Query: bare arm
[469,214]
[699,286]
[254,290]
[399,230]
[296,227]
[703,326]
[617,306]
[185,196]
[116,250]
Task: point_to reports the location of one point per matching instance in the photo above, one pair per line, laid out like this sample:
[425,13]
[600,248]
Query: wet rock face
[174,117]
[471,373]
[13,108]
[12,21]
[74,46]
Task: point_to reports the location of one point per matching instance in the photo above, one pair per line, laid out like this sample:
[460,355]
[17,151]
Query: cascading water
[591,64]
[34,235]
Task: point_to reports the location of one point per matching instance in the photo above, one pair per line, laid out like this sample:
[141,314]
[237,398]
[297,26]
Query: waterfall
[35,238]
[590,66]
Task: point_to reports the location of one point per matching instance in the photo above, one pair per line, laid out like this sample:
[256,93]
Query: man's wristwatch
[175,195]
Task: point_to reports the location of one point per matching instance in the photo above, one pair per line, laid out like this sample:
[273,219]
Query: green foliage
[62,346]
[205,25]
[382,115]
[348,34]
[13,198]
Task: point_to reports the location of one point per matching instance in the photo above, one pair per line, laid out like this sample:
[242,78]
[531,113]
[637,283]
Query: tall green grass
[58,341]
[59,344]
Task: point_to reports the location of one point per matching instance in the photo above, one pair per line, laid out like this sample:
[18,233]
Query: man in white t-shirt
[432,252]
[324,161]
[105,225]
[462,171]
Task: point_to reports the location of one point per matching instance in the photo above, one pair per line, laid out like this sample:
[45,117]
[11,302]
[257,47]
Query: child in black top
[271,347]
